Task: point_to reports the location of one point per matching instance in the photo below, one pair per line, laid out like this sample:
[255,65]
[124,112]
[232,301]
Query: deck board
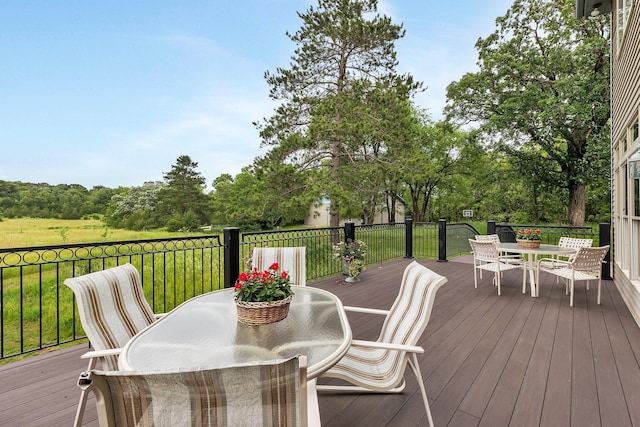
[489,360]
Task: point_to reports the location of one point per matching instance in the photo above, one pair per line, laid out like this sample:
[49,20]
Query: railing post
[231,255]
[605,239]
[442,240]
[349,231]
[408,238]
[491,227]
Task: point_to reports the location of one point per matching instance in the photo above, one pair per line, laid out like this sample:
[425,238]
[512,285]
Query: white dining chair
[586,265]
[487,257]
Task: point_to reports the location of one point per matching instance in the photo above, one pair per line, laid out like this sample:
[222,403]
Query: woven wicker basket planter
[528,243]
[262,313]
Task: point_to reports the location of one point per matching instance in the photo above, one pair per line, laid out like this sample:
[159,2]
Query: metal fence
[37,311]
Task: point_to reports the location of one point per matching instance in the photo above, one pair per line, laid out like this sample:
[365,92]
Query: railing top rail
[297,230]
[564,227]
[109,243]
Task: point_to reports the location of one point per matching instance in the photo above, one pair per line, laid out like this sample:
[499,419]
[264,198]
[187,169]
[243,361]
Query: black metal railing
[37,311]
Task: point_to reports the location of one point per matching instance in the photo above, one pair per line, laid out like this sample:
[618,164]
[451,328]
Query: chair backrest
[112,307]
[484,250]
[589,259]
[290,259]
[271,393]
[410,312]
[488,238]
[574,243]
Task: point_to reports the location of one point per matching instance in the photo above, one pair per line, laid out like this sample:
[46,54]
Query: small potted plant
[352,254]
[528,238]
[263,296]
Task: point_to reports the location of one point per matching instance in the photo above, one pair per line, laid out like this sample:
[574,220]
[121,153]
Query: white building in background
[625,142]
[318,215]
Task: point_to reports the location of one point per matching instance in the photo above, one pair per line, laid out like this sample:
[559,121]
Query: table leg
[529,263]
[313,408]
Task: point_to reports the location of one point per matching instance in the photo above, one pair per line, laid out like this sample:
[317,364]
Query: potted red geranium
[263,296]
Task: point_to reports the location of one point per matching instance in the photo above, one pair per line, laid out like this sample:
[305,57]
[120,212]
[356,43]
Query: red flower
[238,285]
[274,266]
[284,275]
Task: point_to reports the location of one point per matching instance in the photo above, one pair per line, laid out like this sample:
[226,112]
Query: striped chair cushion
[381,369]
[112,307]
[265,394]
[290,259]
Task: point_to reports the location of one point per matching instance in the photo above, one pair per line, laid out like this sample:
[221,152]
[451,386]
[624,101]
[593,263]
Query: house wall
[625,112]
[318,216]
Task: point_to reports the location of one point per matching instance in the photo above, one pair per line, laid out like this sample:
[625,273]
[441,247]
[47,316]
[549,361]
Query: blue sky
[111,93]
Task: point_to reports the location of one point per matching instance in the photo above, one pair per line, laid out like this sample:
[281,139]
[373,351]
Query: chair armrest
[387,346]
[366,310]
[554,261]
[101,353]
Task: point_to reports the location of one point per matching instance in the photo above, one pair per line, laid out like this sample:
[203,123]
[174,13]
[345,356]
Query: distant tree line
[63,201]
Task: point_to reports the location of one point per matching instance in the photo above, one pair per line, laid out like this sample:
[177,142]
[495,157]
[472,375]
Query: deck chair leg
[475,276]
[416,370]
[599,283]
[84,395]
[571,286]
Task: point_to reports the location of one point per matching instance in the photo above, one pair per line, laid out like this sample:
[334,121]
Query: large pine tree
[340,99]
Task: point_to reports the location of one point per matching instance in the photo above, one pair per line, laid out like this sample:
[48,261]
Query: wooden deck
[489,360]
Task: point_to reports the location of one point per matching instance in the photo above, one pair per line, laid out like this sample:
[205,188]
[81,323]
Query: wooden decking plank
[584,394]
[448,400]
[467,346]
[626,362]
[613,407]
[503,400]
[477,397]
[557,395]
[528,407]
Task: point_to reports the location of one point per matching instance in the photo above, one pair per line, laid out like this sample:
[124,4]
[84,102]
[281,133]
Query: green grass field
[24,232]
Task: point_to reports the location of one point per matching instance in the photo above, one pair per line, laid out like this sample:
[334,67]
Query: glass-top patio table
[204,332]
[531,255]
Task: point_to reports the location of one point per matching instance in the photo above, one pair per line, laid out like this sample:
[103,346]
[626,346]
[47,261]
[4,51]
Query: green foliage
[18,199]
[183,191]
[542,94]
[341,100]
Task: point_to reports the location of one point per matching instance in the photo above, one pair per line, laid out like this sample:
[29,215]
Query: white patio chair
[566,242]
[486,257]
[380,366]
[112,309]
[270,393]
[290,259]
[586,265]
[514,258]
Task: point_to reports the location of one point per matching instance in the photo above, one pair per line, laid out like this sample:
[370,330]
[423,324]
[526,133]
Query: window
[624,7]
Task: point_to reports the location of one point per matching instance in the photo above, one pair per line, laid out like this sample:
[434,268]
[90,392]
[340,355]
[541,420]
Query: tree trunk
[577,201]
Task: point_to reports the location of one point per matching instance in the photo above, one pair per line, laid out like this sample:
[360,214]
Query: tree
[184,191]
[542,93]
[136,208]
[338,100]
